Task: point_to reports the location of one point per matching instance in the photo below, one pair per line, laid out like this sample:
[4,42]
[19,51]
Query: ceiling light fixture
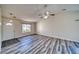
[9,24]
[45,14]
[12,15]
[45,17]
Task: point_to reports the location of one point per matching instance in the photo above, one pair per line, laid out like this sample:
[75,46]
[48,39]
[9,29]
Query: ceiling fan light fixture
[47,13]
[45,17]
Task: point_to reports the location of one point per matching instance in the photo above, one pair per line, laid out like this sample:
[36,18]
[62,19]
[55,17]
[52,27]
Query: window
[26,28]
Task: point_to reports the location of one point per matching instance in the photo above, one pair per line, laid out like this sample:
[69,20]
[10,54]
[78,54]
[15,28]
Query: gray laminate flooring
[38,44]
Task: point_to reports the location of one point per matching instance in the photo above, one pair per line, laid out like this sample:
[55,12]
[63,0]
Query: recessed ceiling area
[30,12]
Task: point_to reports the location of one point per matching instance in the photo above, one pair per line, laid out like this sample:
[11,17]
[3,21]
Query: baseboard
[26,35]
[63,38]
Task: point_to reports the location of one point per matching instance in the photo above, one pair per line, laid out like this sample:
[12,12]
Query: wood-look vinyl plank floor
[38,44]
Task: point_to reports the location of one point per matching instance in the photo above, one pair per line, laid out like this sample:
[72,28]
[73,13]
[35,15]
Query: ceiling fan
[45,14]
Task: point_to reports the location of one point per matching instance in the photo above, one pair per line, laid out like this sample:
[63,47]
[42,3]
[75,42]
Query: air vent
[77,20]
[64,9]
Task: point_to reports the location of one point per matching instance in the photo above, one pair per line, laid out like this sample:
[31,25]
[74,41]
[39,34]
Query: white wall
[15,30]
[61,26]
[8,31]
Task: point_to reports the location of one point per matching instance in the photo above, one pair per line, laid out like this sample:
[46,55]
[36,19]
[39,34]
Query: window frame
[26,31]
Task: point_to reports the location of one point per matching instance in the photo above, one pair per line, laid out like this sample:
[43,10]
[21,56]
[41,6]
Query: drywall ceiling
[30,12]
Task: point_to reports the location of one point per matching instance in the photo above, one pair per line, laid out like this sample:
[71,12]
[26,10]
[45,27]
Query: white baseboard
[63,38]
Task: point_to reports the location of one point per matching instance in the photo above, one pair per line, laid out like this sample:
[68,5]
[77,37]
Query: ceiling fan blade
[52,14]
